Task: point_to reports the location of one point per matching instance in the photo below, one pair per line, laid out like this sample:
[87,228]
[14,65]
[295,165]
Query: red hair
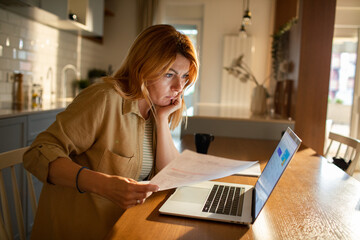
[150,57]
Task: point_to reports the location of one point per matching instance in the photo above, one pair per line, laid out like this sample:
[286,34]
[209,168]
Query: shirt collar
[131,106]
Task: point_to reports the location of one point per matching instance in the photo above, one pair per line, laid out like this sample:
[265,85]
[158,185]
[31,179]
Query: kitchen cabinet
[55,13]
[16,132]
[37,123]
[13,133]
[89,15]
[57,7]
[20,131]
[95,17]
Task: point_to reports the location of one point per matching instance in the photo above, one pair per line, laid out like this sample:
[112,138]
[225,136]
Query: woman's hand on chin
[163,112]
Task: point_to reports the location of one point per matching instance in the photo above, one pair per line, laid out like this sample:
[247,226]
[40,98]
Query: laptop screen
[273,170]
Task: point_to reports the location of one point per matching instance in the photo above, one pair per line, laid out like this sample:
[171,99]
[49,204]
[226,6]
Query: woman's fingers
[140,187]
[143,191]
[129,193]
[164,112]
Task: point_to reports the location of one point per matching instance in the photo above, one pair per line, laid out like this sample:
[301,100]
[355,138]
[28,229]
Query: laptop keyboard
[225,200]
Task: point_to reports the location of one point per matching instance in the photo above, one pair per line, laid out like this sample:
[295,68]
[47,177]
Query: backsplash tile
[40,53]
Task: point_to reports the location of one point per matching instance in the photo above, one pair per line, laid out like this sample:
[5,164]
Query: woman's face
[168,87]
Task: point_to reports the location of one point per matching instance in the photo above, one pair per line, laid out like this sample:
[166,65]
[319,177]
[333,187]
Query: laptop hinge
[253,205]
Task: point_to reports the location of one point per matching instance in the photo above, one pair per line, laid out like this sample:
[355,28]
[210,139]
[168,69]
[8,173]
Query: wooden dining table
[314,199]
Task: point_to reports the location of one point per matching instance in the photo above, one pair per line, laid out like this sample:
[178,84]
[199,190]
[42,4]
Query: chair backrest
[352,149]
[10,160]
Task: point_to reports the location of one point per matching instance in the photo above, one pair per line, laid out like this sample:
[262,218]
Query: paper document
[253,171]
[191,167]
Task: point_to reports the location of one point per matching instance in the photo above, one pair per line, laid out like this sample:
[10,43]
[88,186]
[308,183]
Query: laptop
[229,202]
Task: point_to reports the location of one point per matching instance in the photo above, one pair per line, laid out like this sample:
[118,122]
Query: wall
[347,14]
[221,18]
[33,49]
[119,31]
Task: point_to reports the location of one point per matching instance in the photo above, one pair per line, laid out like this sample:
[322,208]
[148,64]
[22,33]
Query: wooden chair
[352,149]
[10,160]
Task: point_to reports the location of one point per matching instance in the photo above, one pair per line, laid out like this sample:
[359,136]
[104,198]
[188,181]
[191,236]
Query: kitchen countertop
[27,109]
[238,113]
[234,121]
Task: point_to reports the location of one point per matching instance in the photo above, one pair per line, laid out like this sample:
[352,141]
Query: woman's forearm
[125,192]
[63,172]
[165,149]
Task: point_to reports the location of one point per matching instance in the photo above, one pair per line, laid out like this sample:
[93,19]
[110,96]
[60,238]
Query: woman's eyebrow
[171,69]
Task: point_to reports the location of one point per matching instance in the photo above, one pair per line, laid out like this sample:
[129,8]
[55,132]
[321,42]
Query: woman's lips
[176,96]
[172,99]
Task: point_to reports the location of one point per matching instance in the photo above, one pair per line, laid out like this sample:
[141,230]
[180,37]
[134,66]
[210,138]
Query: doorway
[342,85]
[343,113]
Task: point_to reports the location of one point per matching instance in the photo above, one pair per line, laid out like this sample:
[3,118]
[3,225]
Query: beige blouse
[99,130]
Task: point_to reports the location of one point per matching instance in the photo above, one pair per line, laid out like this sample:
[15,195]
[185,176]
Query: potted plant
[281,66]
[279,48]
[242,71]
[80,85]
[95,74]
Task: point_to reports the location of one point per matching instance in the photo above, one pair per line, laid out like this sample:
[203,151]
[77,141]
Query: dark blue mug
[202,142]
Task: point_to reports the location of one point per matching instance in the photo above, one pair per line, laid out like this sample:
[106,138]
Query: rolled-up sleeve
[37,159]
[73,132]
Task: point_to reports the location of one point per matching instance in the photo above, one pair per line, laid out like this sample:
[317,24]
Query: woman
[111,136]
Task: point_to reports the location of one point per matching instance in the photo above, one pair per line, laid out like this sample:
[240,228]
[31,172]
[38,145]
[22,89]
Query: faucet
[63,78]
[50,75]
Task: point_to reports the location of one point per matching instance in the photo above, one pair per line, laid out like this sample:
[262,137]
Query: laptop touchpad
[191,194]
